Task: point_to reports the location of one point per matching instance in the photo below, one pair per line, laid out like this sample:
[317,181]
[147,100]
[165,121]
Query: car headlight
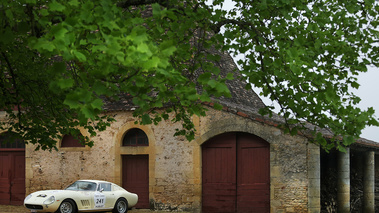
[27,198]
[49,200]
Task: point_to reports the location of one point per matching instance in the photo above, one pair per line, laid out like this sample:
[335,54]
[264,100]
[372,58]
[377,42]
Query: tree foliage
[61,59]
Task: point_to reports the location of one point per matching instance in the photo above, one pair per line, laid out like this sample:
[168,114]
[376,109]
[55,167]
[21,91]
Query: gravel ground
[21,209]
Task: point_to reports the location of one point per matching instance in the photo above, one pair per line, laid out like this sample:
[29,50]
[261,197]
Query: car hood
[47,193]
[40,196]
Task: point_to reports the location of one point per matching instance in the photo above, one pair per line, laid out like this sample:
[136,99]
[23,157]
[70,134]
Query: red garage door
[236,174]
[135,177]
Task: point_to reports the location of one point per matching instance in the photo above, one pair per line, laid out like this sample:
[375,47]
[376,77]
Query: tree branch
[128,3]
[243,24]
[11,70]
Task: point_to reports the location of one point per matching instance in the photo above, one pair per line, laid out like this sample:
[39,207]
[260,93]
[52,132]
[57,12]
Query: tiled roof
[245,100]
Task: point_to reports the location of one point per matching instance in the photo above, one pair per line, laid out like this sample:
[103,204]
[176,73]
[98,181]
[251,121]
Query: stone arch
[135,137]
[131,125]
[247,126]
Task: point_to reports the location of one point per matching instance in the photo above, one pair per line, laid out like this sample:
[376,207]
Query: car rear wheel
[67,206]
[121,206]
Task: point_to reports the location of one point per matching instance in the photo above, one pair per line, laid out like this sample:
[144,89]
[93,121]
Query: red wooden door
[12,177]
[219,174]
[236,174]
[253,174]
[5,189]
[135,177]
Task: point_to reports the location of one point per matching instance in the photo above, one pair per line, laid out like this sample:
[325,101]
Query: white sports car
[82,196]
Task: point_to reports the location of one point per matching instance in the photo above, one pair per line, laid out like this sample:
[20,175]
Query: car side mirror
[101,190]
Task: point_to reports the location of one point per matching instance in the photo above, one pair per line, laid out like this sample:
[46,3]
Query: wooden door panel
[5,162]
[136,177]
[253,181]
[219,174]
[12,177]
[219,198]
[18,178]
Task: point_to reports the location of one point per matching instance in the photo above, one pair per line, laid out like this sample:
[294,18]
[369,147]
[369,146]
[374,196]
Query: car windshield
[82,186]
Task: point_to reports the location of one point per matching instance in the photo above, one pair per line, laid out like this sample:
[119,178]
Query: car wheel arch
[121,199]
[73,201]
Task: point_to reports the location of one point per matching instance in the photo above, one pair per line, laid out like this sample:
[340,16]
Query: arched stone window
[135,137]
[71,141]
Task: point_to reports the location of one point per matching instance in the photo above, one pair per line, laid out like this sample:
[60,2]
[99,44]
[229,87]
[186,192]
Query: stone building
[238,162]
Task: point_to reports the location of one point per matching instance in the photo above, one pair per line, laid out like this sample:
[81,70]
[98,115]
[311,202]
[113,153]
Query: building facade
[171,173]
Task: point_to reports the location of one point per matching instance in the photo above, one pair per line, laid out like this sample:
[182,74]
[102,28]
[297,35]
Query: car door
[104,196]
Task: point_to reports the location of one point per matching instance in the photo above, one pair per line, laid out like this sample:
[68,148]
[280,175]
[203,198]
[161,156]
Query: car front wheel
[121,206]
[67,206]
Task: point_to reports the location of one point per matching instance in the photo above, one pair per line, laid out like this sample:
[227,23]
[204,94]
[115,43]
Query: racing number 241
[99,201]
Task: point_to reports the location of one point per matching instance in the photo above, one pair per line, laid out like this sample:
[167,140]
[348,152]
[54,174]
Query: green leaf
[80,56]
[56,6]
[153,63]
[100,88]
[168,48]
[203,78]
[74,3]
[212,83]
[143,48]
[218,106]
[88,112]
[45,45]
[355,85]
[223,89]
[146,119]
[348,140]
[97,104]
[6,36]
[230,76]
[58,31]
[65,83]
[72,102]
[120,56]
[156,10]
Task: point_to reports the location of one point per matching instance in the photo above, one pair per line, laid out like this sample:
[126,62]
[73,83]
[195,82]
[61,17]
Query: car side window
[104,187]
[82,186]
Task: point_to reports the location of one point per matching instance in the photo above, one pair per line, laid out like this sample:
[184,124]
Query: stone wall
[174,163]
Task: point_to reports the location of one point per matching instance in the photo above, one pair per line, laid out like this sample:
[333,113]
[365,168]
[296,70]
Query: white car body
[85,195]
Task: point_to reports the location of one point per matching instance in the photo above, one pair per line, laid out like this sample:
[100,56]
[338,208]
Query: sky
[368,92]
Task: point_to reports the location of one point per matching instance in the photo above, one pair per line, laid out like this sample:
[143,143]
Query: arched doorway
[236,174]
[135,168]
[12,169]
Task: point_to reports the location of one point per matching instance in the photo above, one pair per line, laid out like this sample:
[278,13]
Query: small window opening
[71,141]
[135,137]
